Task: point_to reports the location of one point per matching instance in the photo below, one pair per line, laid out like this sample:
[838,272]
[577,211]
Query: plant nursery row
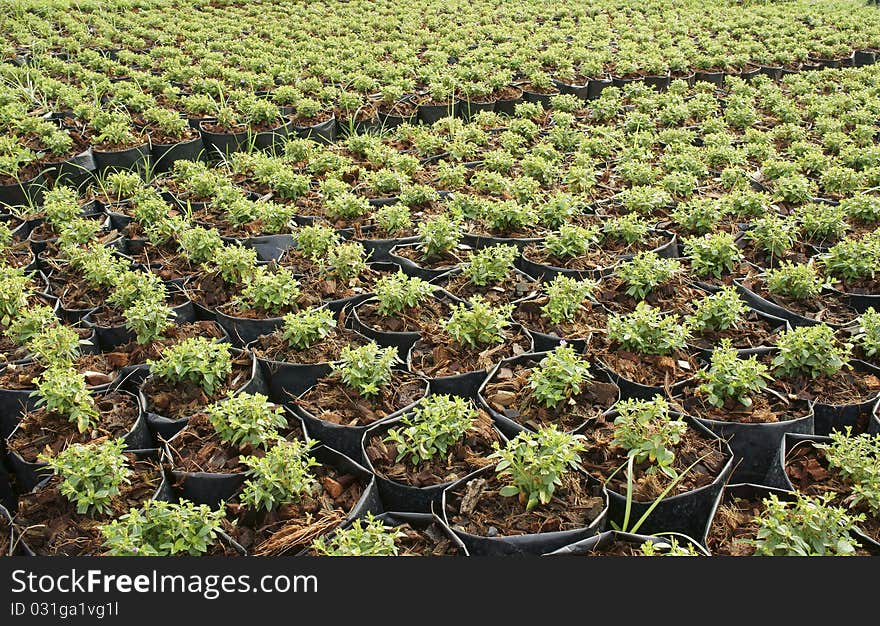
[375,278]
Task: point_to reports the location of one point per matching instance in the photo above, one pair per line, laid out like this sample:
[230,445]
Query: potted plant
[490,273]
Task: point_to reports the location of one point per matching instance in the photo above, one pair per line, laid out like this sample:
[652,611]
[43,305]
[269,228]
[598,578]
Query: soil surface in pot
[166,263]
[332,401]
[649,369]
[602,459]
[597,257]
[436,354]
[588,319]
[509,393]
[134,353]
[46,432]
[180,400]
[673,296]
[274,347]
[51,526]
[293,527]
[467,455]
[428,541]
[766,408]
[846,387]
[198,448]
[752,331]
[412,319]
[513,287]
[210,290]
[809,472]
[828,307]
[444,261]
[477,508]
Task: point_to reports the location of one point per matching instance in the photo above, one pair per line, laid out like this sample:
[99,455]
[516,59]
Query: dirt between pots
[590,318]
[198,448]
[765,409]
[513,287]
[134,353]
[209,290]
[649,369]
[752,331]
[293,526]
[437,354]
[808,469]
[602,459]
[508,392]
[412,319]
[274,347]
[166,263]
[323,287]
[445,261]
[332,401]
[466,456]
[846,387]
[184,399]
[477,508]
[673,296]
[43,432]
[50,525]
[828,307]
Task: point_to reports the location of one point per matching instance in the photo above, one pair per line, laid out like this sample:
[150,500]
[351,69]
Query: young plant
[810,351]
[628,228]
[199,245]
[490,265]
[30,323]
[565,295]
[283,475]
[732,378]
[346,261]
[269,292]
[478,324]
[717,312]
[55,345]
[196,361]
[435,424]
[303,329]
[648,331]
[559,376]
[394,218]
[14,289]
[712,254]
[868,335]
[773,234]
[235,263]
[806,527]
[571,241]
[645,272]
[855,459]
[800,281]
[367,537]
[162,528]
[533,464]
[647,431]
[148,319]
[247,419]
[397,292]
[92,475]
[853,259]
[366,369]
[62,390]
[316,240]
[438,236]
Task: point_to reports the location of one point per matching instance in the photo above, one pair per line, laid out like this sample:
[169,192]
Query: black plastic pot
[220,144]
[755,446]
[580,91]
[509,426]
[774,72]
[411,268]
[274,139]
[864,57]
[7,549]
[398,496]
[687,513]
[389,120]
[378,249]
[23,193]
[860,302]
[244,330]
[830,417]
[777,323]
[477,241]
[660,83]
[73,172]
[596,86]
[757,302]
[269,247]
[595,545]
[632,389]
[130,159]
[430,113]
[165,154]
[519,545]
[419,521]
[28,475]
[716,78]
[467,109]
[323,132]
[508,106]
[752,493]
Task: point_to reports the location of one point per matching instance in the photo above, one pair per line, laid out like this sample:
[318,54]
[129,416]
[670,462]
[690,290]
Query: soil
[828,307]
[752,331]
[325,288]
[673,296]
[863,286]
[446,261]
[733,527]
[184,399]
[43,432]
[293,527]
[5,536]
[477,508]
[17,254]
[11,351]
[590,319]
[134,353]
[843,388]
[274,347]
[466,456]
[51,526]
[198,448]
[332,401]
[412,319]
[766,409]
[75,294]
[436,354]
[209,290]
[165,263]
[97,370]
[602,459]
[810,473]
[513,287]
[508,392]
[598,257]
[762,258]
[417,541]
[652,370]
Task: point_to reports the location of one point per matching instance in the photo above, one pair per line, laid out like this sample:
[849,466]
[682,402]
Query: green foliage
[148,319]
[773,234]
[269,292]
[366,369]
[397,292]
[810,351]
[55,345]
[247,419]
[719,311]
[490,265]
[161,528]
[91,474]
[565,296]
[438,236]
[14,289]
[365,537]
[62,390]
[856,458]
[649,548]
[853,259]
[868,335]
[629,228]
[647,331]
[645,272]
[559,377]
[732,378]
[235,263]
[533,464]
[197,361]
[647,431]
[478,324]
[305,328]
[435,424]
[283,475]
[712,254]
[29,323]
[800,281]
[806,527]
[571,241]
[199,245]
[316,240]
[346,261]
[393,219]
